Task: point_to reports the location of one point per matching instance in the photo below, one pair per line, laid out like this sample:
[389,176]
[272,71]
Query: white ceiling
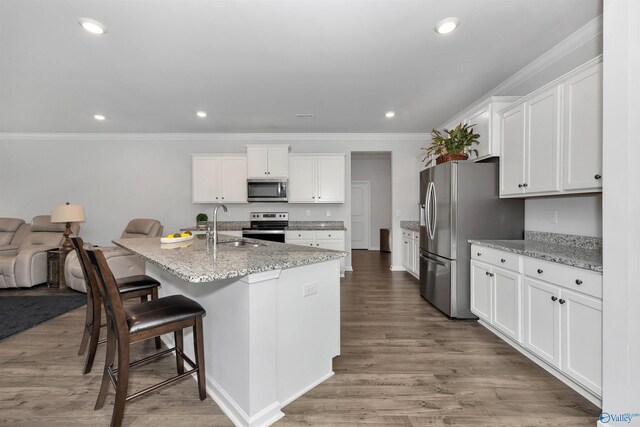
[252,65]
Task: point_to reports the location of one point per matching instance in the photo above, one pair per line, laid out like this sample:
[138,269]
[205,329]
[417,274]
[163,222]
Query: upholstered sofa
[12,233]
[122,262]
[24,264]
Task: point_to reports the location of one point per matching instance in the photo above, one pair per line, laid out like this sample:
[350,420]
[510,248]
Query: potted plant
[201,220]
[454,146]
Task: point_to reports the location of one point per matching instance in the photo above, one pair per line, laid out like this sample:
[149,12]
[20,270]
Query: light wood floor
[402,364]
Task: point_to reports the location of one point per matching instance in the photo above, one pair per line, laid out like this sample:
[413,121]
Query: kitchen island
[272,326]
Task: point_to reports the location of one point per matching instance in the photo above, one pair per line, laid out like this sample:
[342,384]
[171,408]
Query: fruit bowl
[175,239]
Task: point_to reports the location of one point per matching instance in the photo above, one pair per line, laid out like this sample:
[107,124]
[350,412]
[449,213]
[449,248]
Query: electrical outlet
[308,212]
[310,289]
[553,217]
[328,212]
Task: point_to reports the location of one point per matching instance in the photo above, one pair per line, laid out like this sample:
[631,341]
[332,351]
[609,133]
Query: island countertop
[191,261]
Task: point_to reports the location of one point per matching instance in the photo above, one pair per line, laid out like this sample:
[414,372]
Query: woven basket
[444,158]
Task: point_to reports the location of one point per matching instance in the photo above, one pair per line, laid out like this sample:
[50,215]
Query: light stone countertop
[192,261]
[293,225]
[575,256]
[410,225]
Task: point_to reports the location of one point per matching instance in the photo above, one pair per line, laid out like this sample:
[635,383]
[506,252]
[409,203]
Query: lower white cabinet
[325,239]
[410,251]
[549,311]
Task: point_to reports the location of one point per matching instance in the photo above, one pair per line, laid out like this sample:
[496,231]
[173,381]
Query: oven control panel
[269,216]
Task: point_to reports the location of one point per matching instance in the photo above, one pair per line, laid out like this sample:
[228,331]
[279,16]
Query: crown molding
[586,33]
[213,137]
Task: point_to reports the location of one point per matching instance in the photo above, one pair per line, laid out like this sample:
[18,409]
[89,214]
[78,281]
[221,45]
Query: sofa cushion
[8,227]
[142,227]
[43,223]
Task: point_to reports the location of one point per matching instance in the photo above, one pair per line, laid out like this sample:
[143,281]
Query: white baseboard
[374,248]
[397,268]
[348,268]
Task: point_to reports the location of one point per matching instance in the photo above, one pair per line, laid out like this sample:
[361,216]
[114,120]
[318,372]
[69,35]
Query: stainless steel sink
[241,244]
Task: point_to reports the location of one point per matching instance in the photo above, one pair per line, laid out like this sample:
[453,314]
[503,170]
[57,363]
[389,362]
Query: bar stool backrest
[87,271]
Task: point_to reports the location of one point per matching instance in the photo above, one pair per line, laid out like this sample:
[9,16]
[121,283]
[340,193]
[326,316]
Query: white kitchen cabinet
[530,160]
[582,163]
[551,140]
[542,320]
[410,251]
[316,178]
[325,239]
[268,161]
[550,311]
[218,178]
[485,119]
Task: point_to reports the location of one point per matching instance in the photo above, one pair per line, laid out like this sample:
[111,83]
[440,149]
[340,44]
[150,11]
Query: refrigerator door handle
[432,199]
[428,209]
[433,260]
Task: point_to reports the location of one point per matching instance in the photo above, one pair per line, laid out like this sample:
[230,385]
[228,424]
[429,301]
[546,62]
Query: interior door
[360,225]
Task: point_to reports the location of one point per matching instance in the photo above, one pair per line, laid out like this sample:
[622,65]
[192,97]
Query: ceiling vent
[304,116]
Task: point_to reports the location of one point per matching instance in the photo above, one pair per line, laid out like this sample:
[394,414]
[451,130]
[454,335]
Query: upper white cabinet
[267,161]
[582,163]
[530,147]
[551,140]
[316,178]
[485,119]
[218,178]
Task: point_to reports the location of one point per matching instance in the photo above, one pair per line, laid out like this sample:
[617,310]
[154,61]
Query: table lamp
[67,213]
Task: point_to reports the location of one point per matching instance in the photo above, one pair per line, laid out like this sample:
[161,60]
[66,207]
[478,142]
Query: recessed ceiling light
[94,27]
[447,25]
[99,117]
[390,114]
[201,114]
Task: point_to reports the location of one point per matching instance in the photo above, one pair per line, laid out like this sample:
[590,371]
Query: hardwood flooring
[403,363]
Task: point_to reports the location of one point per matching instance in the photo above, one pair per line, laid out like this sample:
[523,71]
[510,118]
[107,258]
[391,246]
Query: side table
[55,268]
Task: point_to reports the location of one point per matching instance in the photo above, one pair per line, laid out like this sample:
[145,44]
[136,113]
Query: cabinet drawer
[492,256]
[576,279]
[300,235]
[329,235]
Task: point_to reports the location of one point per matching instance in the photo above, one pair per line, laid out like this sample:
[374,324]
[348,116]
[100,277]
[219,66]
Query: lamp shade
[67,213]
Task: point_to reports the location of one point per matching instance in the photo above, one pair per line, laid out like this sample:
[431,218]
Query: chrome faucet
[214,235]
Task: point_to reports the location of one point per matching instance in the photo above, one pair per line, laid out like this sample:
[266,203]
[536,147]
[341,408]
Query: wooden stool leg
[154,296]
[178,336]
[108,362]
[87,323]
[94,336]
[123,384]
[198,347]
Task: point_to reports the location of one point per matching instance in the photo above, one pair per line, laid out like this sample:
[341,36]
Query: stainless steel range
[267,226]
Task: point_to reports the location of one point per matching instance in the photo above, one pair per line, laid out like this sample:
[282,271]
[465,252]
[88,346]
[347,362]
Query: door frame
[367,185]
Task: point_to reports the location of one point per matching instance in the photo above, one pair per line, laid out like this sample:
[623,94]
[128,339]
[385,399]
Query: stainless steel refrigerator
[459,201]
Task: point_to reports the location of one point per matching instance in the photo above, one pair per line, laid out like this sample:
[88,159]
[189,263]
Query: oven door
[270,235]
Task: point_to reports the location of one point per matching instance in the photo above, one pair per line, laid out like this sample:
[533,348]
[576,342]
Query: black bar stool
[136,286]
[127,325]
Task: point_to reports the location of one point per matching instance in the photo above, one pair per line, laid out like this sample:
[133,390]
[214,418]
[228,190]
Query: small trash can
[384,240]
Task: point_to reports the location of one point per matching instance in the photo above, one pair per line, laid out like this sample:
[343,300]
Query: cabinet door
[335,245]
[404,253]
[583,130]
[302,179]
[481,285]
[512,152]
[542,320]
[416,258]
[507,302]
[257,161]
[234,179]
[480,121]
[331,179]
[278,162]
[542,138]
[205,179]
[582,339]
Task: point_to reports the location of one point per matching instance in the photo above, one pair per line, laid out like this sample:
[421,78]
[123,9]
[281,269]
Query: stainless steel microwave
[267,190]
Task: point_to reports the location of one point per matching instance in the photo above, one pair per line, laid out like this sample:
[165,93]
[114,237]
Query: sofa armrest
[31,265]
[11,250]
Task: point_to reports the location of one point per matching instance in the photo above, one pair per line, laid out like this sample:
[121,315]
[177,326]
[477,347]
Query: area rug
[18,313]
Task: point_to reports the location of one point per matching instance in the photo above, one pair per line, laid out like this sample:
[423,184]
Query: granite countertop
[293,225]
[576,256]
[316,225]
[192,261]
[410,225]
